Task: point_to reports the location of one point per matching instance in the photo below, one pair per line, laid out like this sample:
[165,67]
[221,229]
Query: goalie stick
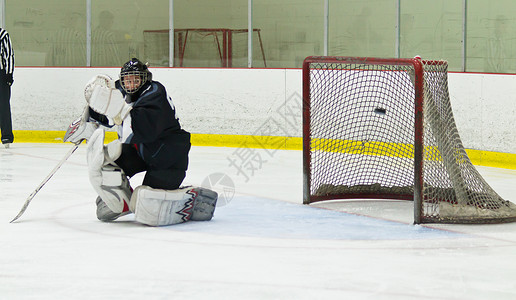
[31,196]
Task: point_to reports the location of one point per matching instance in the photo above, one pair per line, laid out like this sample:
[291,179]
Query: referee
[6,80]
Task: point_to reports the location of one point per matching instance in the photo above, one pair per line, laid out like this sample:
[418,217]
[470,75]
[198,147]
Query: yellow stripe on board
[248,141]
[41,136]
[492,159]
[478,157]
[214,140]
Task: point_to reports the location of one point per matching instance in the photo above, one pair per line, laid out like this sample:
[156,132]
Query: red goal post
[384,129]
[221,47]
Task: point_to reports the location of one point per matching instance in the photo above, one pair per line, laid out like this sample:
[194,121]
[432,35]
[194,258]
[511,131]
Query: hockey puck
[380,111]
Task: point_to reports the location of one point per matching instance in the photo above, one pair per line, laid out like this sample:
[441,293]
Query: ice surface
[262,243]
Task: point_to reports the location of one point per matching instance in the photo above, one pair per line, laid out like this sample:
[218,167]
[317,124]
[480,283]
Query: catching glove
[105,99]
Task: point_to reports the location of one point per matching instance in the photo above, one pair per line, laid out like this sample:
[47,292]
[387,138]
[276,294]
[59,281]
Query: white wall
[255,101]
[484,107]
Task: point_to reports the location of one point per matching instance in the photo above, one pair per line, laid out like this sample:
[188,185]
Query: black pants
[5,110]
[132,163]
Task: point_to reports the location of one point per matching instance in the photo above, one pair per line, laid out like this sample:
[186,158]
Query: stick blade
[29,199]
[23,209]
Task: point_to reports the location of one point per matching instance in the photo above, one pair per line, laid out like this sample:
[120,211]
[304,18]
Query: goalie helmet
[133,75]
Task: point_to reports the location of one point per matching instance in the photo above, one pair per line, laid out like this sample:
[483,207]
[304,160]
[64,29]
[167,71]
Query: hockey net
[384,129]
[204,47]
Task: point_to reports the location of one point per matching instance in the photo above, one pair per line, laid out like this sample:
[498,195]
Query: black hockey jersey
[155,130]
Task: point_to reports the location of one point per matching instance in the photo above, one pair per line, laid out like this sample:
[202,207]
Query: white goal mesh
[384,128]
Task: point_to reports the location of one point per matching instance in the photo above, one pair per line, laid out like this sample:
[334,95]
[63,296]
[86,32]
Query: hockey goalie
[150,139]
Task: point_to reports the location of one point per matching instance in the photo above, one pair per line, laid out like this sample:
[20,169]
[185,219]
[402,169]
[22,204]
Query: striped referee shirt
[6,52]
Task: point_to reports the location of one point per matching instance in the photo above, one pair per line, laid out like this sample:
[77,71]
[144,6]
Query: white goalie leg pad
[108,180]
[157,207]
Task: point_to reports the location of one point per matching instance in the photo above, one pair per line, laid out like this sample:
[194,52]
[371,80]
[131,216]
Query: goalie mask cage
[384,129]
